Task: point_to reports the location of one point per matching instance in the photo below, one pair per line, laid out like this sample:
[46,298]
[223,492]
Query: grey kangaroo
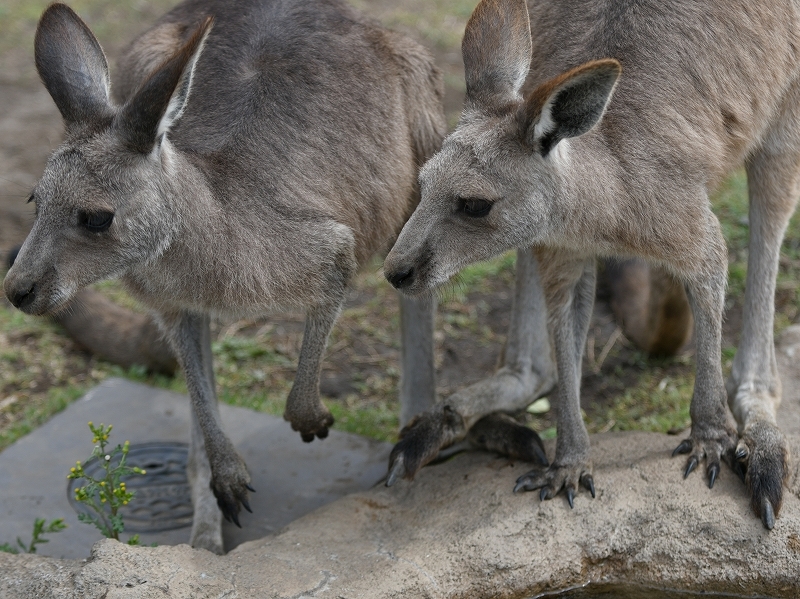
[255,154]
[600,129]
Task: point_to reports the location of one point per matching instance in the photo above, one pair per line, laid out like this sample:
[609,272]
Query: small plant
[40,528]
[105,496]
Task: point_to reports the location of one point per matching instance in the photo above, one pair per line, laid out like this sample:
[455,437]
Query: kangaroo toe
[500,433]
[763,456]
[420,442]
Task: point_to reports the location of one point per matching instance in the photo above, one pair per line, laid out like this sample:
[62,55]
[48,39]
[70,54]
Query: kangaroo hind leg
[528,372]
[207,519]
[569,282]
[754,387]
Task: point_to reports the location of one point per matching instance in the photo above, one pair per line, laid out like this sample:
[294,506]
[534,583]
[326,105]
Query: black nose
[22,299]
[401,278]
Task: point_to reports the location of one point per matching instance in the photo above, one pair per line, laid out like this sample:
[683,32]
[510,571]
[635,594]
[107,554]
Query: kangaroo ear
[497,52]
[160,101]
[569,105]
[72,66]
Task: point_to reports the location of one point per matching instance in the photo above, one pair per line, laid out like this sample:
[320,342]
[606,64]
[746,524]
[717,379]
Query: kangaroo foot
[762,461]
[421,439]
[552,480]
[502,434]
[230,483]
[711,444]
[309,419]
[206,526]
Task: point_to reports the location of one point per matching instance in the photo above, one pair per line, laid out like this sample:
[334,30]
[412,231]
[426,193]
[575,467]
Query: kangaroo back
[279,99]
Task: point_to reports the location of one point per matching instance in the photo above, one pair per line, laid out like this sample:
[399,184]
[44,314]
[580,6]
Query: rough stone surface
[459,531]
[292,478]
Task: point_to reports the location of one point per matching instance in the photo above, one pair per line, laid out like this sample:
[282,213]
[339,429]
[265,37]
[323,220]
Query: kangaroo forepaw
[553,480]
[309,423]
[230,483]
[762,461]
[421,439]
[713,446]
[500,433]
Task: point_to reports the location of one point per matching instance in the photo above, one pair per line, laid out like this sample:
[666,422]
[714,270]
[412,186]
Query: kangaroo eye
[474,207]
[96,222]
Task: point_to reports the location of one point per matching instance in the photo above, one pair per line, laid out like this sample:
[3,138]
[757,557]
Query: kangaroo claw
[230,482]
[684,447]
[588,483]
[552,480]
[690,466]
[711,445]
[713,472]
[767,515]
[421,439]
[396,471]
[764,464]
[246,505]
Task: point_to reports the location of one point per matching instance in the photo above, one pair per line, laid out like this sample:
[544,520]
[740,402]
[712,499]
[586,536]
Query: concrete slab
[291,478]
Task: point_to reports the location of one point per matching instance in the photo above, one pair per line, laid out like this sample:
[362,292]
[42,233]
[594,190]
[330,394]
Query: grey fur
[250,166]
[705,87]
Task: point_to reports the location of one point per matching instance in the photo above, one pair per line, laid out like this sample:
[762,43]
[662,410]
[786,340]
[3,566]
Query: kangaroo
[255,155]
[595,129]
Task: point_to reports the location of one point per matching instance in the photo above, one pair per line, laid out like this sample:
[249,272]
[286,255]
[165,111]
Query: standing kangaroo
[257,153]
[580,155]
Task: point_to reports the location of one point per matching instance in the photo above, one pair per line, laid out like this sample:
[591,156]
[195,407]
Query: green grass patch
[657,403]
[379,420]
[38,413]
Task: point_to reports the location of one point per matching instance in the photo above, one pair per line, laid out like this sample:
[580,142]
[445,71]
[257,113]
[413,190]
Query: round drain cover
[163,498]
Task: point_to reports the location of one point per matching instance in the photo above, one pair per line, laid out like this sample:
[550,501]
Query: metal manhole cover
[163,498]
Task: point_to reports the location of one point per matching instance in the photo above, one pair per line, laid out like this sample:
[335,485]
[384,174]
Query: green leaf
[117,524]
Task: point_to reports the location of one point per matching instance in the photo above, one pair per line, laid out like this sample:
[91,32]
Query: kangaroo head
[102,203]
[492,185]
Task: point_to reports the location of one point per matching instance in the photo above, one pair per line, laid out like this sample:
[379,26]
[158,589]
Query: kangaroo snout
[400,277]
[29,289]
[21,295]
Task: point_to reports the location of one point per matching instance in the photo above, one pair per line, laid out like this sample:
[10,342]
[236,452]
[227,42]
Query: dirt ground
[256,359]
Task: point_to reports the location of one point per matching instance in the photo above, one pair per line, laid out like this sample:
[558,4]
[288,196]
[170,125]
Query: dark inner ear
[578,104]
[141,115]
[72,65]
[578,107]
